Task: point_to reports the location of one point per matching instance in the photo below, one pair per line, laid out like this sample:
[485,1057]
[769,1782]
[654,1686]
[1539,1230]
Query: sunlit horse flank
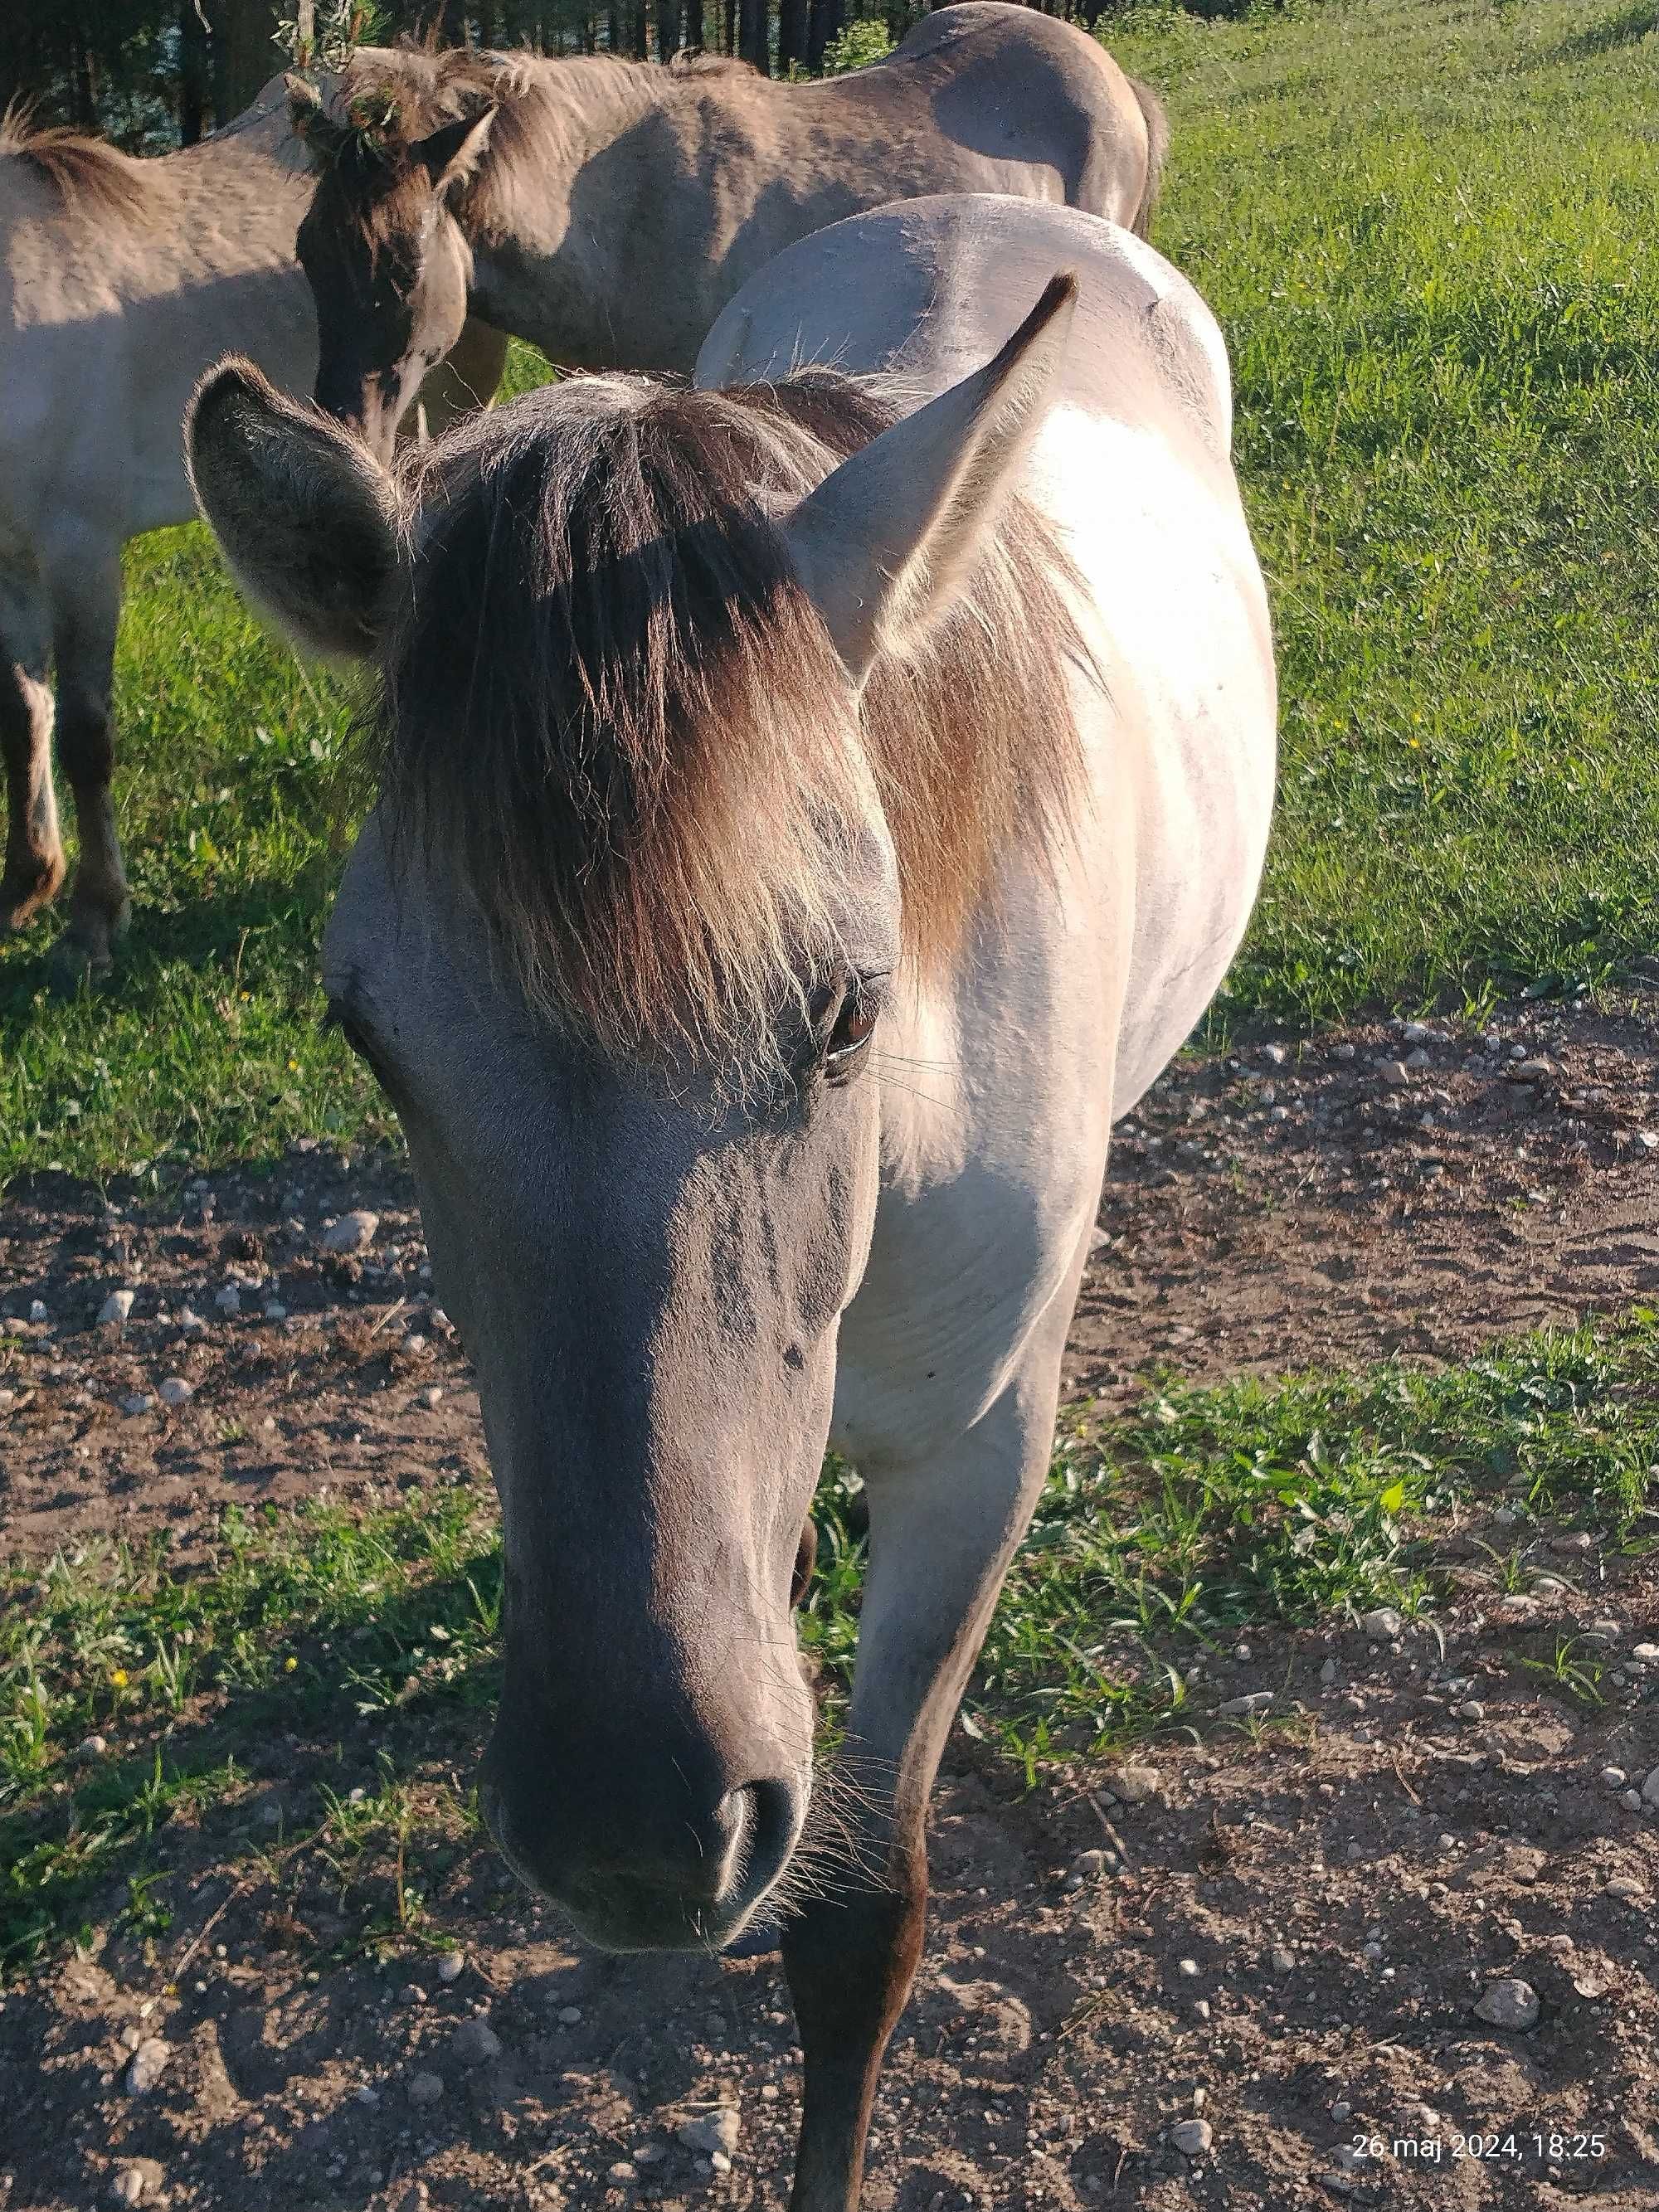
[121,280]
[607,211]
[735,686]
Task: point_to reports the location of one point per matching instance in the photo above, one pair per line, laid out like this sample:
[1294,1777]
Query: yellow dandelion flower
[118,1676]
[289,1666]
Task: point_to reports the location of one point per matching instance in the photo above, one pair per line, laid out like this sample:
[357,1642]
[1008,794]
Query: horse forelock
[613,713]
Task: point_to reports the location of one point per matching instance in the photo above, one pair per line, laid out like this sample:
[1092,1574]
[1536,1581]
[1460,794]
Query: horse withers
[606,210]
[812,806]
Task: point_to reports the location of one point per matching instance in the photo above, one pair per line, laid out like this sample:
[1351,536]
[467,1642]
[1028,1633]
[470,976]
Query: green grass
[1207,1510]
[1426,228]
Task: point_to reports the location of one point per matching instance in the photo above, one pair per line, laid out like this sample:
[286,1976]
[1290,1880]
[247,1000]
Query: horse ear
[307,518]
[308,119]
[889,538]
[451,154]
[304,102]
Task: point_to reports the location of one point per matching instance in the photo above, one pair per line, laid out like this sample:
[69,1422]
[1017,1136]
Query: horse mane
[87,173]
[391,97]
[616,716]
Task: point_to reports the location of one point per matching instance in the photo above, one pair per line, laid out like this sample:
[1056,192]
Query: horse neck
[606,166]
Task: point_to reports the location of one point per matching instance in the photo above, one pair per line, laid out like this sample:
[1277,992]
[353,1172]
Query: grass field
[1158,1539]
[1426,228]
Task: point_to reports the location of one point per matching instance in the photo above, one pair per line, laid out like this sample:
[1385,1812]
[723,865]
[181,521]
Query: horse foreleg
[942,1532]
[89,607]
[34,851]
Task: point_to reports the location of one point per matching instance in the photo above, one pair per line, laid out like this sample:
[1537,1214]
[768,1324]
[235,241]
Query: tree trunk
[792,34]
[640,48]
[84,89]
[243,55]
[823,19]
[753,42]
[193,73]
[670,36]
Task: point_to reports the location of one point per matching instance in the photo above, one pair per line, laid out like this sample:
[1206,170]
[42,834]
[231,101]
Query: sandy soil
[1291,1925]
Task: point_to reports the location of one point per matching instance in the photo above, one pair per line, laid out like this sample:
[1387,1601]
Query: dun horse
[811,809]
[607,211]
[123,280]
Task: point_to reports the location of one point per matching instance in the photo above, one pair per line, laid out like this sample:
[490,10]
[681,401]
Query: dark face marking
[389,272]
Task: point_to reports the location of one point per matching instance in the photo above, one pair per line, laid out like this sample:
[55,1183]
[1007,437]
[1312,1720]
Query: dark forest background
[155,73]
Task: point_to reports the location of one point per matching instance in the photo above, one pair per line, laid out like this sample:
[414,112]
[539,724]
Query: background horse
[123,280]
[812,809]
[607,211]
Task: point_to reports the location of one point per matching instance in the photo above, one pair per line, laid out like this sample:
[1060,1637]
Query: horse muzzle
[693,1883]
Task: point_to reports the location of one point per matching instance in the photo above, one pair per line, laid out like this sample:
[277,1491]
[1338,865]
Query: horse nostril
[764,1818]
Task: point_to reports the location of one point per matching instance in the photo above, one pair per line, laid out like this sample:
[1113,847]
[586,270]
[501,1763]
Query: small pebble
[1281,1960]
[175,1390]
[1135,1784]
[39,1310]
[149,2062]
[569,2014]
[1192,2138]
[352,1232]
[1626,1889]
[425,2089]
[228,1300]
[1383,1623]
[89,1749]
[1509,2002]
[475,2041]
[716,2133]
[1613,1778]
[449,1966]
[432,1397]
[1651,1788]
[1253,1701]
[1631,1800]
[137,1401]
[116,1309]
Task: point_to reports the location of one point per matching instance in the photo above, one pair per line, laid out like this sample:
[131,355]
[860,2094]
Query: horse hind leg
[34,851]
[84,644]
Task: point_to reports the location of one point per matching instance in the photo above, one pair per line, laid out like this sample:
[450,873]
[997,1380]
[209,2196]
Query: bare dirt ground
[1282,1933]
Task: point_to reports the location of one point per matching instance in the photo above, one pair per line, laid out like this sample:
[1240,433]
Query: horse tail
[1158,148]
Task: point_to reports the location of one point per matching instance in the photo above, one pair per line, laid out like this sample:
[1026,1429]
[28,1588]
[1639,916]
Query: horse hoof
[80,961]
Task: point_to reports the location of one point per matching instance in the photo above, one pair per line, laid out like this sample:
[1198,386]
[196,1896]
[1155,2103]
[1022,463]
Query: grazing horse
[121,280]
[813,805]
[607,211]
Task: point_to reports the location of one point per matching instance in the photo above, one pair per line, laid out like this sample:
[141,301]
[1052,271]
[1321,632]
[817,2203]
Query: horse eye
[855,1025]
